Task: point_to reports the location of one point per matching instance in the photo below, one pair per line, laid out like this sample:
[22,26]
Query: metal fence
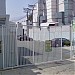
[26,45]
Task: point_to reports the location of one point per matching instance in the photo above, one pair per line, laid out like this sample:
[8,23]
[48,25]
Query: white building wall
[21,24]
[53,32]
[51,10]
[61,6]
[35,14]
[61,9]
[19,29]
[40,12]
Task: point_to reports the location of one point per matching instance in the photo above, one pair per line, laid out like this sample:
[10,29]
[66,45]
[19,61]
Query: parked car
[56,42]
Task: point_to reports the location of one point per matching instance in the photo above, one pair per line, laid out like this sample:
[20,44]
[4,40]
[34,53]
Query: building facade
[61,11]
[67,12]
[53,11]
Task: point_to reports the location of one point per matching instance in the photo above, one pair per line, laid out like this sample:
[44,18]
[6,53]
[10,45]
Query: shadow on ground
[34,69]
[55,64]
[27,70]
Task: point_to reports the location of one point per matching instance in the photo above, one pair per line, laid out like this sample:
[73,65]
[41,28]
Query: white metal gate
[38,45]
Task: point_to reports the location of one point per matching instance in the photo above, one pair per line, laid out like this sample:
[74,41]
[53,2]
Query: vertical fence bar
[16,47]
[33,46]
[39,47]
[11,38]
[71,40]
[3,45]
[61,42]
[49,40]
[44,45]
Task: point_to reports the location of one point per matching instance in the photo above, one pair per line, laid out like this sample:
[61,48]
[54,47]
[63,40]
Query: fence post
[61,42]
[71,40]
[16,47]
[33,45]
[3,45]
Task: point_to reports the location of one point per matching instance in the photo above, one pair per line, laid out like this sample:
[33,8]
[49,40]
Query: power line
[19,18]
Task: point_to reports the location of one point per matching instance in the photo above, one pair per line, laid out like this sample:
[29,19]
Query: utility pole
[32,8]
[26,10]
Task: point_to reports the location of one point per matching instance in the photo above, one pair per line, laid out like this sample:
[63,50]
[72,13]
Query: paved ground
[66,67]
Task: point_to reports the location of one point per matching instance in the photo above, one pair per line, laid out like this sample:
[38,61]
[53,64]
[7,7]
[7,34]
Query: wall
[73,7]
[51,10]
[35,14]
[61,5]
[2,7]
[68,9]
[40,12]
[46,34]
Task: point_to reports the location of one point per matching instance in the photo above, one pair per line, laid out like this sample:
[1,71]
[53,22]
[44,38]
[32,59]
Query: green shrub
[67,43]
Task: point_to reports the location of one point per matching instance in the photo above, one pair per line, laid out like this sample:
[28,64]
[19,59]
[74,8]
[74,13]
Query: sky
[15,8]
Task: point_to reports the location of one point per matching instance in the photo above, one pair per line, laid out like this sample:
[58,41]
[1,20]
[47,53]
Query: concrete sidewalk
[66,67]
